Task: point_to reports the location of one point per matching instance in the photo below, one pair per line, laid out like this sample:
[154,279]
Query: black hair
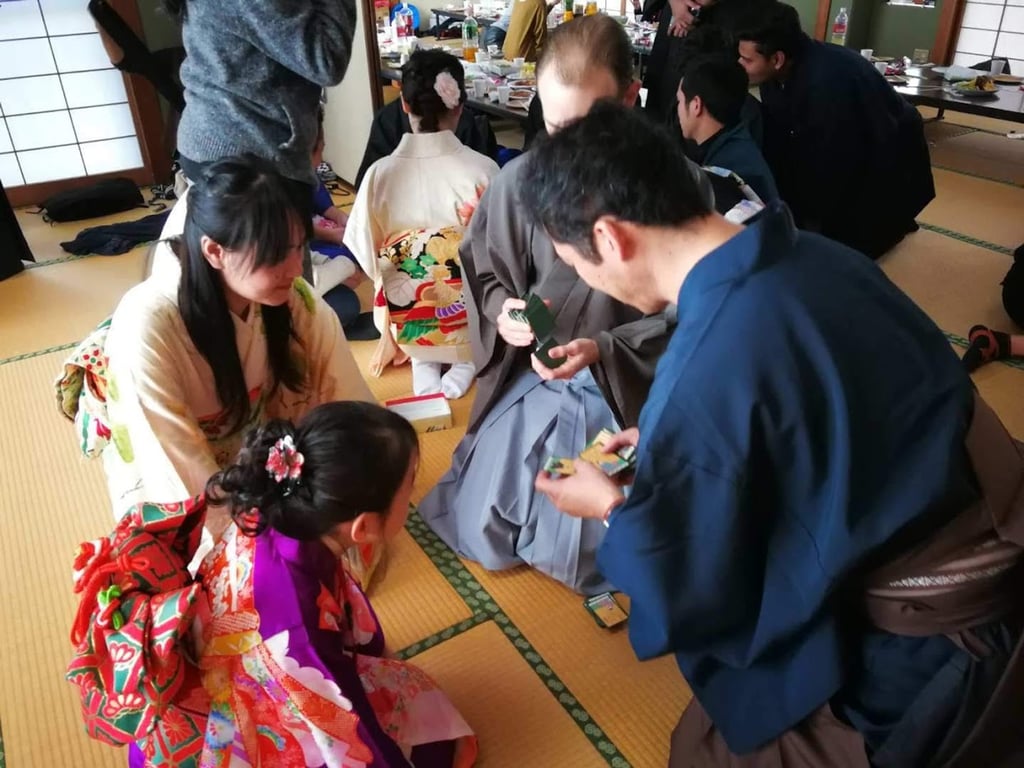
[612,162]
[773,28]
[240,203]
[176,9]
[584,43]
[355,457]
[721,83]
[419,76]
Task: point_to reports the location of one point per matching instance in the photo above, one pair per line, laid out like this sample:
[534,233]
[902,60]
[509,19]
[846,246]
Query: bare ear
[367,527]
[405,106]
[632,93]
[612,239]
[778,61]
[213,252]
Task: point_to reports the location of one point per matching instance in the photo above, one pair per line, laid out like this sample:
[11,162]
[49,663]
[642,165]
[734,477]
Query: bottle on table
[591,8]
[567,15]
[839,27]
[470,38]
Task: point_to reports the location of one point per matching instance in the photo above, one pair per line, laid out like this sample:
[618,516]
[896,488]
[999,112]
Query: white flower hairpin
[447,89]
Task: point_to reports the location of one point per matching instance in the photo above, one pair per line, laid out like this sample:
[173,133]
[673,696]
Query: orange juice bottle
[470,38]
[567,15]
[591,8]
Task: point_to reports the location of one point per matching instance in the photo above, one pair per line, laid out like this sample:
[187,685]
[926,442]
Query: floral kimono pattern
[421,285]
[300,685]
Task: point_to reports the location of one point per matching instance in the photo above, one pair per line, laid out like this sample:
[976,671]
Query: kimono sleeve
[682,548]
[153,429]
[333,372]
[364,233]
[497,262]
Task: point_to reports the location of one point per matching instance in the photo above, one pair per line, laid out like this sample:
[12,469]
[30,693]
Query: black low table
[1006,104]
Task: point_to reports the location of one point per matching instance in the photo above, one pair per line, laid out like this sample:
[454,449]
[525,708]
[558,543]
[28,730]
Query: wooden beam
[373,54]
[950,17]
[145,105]
[821,23]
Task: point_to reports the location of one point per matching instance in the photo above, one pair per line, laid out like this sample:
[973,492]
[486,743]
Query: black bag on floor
[100,199]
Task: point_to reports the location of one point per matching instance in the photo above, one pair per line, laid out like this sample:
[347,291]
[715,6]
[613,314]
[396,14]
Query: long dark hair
[355,458]
[241,203]
[418,77]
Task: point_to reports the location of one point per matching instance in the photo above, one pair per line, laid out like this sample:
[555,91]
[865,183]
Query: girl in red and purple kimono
[291,653]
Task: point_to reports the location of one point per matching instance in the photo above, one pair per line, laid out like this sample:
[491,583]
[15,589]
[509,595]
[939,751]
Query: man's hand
[682,17]
[578,354]
[587,493]
[621,439]
[516,333]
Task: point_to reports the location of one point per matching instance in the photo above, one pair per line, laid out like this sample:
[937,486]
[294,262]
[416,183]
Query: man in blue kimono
[848,152]
[710,106]
[825,522]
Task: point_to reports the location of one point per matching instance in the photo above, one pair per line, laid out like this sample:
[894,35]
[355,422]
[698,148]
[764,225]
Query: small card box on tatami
[427,413]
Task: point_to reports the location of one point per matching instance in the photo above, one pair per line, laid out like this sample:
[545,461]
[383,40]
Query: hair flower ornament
[284,463]
[448,89]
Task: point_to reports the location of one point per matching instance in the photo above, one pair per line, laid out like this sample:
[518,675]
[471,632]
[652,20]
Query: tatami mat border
[962,172]
[966,238]
[479,600]
[37,353]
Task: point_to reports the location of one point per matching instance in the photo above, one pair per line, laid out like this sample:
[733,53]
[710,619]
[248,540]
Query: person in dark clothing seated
[391,123]
[711,96]
[985,344]
[848,153]
[689,29]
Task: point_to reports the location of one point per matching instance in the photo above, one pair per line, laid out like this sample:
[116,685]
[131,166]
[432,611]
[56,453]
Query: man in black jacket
[848,153]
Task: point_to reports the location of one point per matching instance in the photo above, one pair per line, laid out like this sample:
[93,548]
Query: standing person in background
[253,74]
[527,29]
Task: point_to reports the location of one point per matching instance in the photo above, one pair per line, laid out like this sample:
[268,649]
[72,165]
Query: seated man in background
[527,29]
[825,531]
[521,415]
[711,97]
[495,34]
[848,153]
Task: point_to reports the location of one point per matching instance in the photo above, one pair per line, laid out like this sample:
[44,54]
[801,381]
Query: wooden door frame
[149,126]
[372,55]
[950,18]
[821,22]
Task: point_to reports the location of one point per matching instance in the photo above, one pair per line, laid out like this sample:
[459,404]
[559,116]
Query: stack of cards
[609,463]
[542,323]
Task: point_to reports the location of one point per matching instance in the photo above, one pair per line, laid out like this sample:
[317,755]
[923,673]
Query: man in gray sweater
[253,76]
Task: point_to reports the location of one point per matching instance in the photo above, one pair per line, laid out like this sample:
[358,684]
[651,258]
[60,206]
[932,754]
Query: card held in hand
[537,315]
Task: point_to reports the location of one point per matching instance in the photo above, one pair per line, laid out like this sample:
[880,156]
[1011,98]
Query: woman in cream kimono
[406,226]
[195,355]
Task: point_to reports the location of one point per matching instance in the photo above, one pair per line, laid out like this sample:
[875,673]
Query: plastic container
[839,27]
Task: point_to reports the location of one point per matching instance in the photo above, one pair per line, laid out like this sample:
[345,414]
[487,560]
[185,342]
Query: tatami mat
[52,500]
[519,724]
[539,681]
[636,704]
[991,155]
[977,208]
[60,303]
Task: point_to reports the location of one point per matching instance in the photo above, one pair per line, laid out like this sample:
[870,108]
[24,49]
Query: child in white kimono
[406,226]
